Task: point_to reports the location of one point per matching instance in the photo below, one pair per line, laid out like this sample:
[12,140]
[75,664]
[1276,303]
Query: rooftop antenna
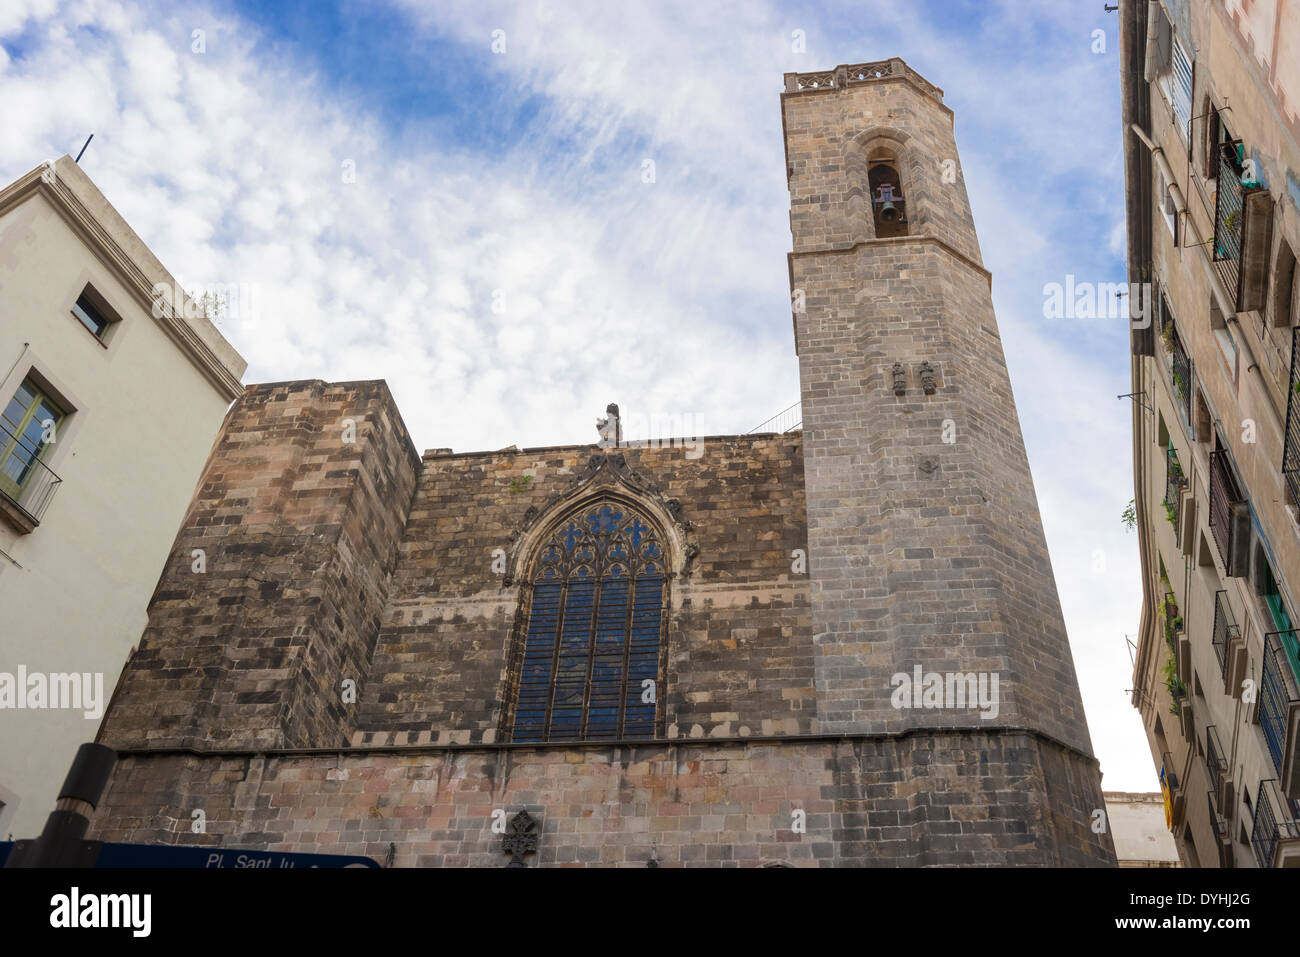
[83,147]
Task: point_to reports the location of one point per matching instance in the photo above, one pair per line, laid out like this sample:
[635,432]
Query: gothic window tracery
[592,640]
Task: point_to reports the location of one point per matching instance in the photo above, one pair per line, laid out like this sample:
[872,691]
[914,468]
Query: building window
[1181,88]
[591,667]
[1174,77]
[1270,593]
[28,425]
[1210,147]
[94,312]
[1165,199]
[1286,302]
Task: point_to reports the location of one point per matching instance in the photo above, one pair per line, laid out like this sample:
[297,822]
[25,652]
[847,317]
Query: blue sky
[514,180]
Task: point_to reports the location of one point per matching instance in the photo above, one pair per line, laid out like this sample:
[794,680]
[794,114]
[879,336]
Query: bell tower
[937,626]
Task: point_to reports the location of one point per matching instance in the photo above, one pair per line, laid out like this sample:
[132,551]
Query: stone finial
[900,379]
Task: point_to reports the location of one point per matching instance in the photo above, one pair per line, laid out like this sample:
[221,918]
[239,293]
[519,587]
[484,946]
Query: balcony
[1216,762]
[1291,443]
[1275,836]
[1170,780]
[1229,515]
[1279,705]
[1180,364]
[1171,776]
[1228,219]
[27,485]
[1229,647]
[1175,482]
[1172,619]
[1222,834]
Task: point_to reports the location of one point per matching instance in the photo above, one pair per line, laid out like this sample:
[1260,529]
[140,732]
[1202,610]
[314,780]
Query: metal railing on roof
[787,420]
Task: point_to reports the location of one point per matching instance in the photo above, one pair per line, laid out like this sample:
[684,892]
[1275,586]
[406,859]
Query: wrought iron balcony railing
[1173,620]
[1216,819]
[1279,691]
[1215,759]
[1291,443]
[1171,775]
[1273,823]
[1228,215]
[25,481]
[1225,501]
[1225,630]
[1175,482]
[1180,377]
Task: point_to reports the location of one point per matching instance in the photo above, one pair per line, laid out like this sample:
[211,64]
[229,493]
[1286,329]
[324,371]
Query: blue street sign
[173,855]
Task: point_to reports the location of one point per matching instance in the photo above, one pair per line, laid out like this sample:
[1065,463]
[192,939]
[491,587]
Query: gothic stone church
[395,655]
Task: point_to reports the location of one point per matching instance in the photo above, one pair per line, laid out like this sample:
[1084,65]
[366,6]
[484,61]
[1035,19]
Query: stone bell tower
[926,552]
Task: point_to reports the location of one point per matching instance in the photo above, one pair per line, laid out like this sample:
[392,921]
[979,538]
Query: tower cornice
[846,75]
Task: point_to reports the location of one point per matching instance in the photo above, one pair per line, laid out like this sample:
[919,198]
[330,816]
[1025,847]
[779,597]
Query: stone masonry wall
[248,642]
[924,538]
[739,637]
[948,799]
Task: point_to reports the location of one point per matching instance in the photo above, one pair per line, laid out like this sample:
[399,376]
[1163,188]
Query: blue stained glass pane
[535,675]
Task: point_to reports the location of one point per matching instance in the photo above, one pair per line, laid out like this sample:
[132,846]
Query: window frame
[13,438]
[99,306]
[553,634]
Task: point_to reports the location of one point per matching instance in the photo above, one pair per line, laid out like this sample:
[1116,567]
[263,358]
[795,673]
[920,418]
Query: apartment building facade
[112,391]
[1211,94]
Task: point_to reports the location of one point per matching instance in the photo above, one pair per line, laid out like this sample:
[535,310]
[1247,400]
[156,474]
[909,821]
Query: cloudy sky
[400,201]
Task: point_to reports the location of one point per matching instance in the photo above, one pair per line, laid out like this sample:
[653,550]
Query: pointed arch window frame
[579,625]
[913,175]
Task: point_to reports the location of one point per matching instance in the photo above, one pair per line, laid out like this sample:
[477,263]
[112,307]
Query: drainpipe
[1153,40]
[1158,155]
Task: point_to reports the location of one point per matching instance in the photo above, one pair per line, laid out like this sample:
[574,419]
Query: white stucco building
[110,399]
[1141,832]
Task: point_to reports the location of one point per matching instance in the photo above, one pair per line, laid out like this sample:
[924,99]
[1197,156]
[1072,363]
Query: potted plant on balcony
[1179,385]
[1174,684]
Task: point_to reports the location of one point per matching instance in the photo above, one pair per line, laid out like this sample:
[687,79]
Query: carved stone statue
[610,432]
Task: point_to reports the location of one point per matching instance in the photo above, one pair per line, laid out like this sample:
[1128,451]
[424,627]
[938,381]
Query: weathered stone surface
[959,799]
[328,561]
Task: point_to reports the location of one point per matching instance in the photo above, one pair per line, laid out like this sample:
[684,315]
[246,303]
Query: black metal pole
[62,843]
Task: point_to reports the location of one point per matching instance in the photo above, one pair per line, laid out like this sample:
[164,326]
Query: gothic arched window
[593,636]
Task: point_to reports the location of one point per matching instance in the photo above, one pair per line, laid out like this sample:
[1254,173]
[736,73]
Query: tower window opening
[888,205]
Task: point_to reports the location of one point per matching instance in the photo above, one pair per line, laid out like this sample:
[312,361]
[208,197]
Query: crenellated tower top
[847,74]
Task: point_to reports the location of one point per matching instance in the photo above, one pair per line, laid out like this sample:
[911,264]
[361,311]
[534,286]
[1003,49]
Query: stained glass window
[592,642]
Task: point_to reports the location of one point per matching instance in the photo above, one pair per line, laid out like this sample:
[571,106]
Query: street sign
[220,858]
